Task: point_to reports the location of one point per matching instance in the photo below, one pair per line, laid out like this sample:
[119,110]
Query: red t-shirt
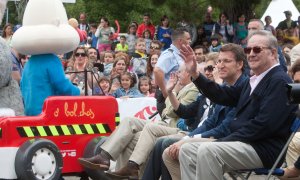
[143,27]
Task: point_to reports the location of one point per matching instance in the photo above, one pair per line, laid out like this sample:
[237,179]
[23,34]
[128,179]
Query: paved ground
[253,177]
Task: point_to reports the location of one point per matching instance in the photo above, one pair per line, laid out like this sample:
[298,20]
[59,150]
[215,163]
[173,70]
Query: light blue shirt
[169,61]
[132,93]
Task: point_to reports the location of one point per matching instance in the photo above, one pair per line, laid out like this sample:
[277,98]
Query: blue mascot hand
[181,125]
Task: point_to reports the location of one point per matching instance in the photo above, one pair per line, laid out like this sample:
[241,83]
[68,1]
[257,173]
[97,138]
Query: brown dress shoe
[99,162]
[130,171]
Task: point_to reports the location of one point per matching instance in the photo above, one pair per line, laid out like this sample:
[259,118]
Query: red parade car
[48,146]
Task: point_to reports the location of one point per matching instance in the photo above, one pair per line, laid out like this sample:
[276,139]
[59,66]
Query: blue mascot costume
[45,34]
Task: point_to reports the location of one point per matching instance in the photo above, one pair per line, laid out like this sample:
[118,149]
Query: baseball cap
[287,12]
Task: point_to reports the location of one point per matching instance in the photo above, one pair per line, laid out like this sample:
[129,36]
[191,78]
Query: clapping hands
[172,82]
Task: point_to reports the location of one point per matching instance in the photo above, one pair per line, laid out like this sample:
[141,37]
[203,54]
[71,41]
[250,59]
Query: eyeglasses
[256,49]
[80,54]
[209,68]
[225,61]
[153,47]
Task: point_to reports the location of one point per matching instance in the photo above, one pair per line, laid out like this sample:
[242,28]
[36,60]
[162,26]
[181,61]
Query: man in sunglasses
[230,64]
[168,62]
[263,117]
[256,25]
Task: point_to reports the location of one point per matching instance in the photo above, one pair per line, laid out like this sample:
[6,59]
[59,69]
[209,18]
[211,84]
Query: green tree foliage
[234,8]
[188,10]
[133,10]
[123,11]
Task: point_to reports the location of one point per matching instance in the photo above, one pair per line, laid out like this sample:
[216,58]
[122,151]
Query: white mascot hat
[45,29]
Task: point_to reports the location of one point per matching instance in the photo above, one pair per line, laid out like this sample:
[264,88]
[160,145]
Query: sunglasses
[209,68]
[256,49]
[80,54]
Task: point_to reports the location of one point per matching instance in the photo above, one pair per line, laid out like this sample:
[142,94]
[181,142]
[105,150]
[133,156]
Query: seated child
[122,46]
[145,86]
[127,89]
[215,44]
[108,62]
[139,58]
[103,87]
[148,40]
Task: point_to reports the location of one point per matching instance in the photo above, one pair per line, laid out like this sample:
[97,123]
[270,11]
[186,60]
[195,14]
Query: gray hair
[261,24]
[178,33]
[271,40]
[2,9]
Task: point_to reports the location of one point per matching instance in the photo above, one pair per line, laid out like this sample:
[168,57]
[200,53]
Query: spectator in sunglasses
[155,47]
[257,25]
[76,67]
[262,121]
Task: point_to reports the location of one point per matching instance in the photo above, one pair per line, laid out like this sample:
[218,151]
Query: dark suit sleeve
[219,94]
[207,125]
[282,61]
[188,111]
[273,114]
[222,129]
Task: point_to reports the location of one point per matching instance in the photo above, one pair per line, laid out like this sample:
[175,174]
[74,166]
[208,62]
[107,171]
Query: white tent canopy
[276,9]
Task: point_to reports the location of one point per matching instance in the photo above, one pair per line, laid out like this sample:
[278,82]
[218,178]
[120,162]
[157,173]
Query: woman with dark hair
[201,37]
[224,28]
[119,67]
[104,33]
[152,60]
[240,30]
[7,33]
[164,32]
[77,63]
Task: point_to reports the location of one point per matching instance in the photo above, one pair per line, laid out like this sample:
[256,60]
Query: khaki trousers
[123,135]
[210,160]
[147,141]
[172,164]
[293,150]
[134,139]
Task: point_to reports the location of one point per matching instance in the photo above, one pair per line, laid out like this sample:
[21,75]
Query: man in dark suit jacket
[263,115]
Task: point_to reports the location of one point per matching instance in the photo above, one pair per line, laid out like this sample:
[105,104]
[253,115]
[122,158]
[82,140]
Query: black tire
[38,159]
[92,149]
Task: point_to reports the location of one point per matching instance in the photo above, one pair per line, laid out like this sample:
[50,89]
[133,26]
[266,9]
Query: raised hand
[172,82]
[188,55]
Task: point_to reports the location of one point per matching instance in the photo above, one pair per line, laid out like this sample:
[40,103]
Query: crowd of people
[100,48]
[220,90]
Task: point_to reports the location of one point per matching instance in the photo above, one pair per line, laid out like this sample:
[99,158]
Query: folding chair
[245,174]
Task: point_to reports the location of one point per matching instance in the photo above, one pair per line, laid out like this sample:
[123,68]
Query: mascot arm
[61,84]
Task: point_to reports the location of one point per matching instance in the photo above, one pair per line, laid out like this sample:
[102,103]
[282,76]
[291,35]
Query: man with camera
[262,122]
